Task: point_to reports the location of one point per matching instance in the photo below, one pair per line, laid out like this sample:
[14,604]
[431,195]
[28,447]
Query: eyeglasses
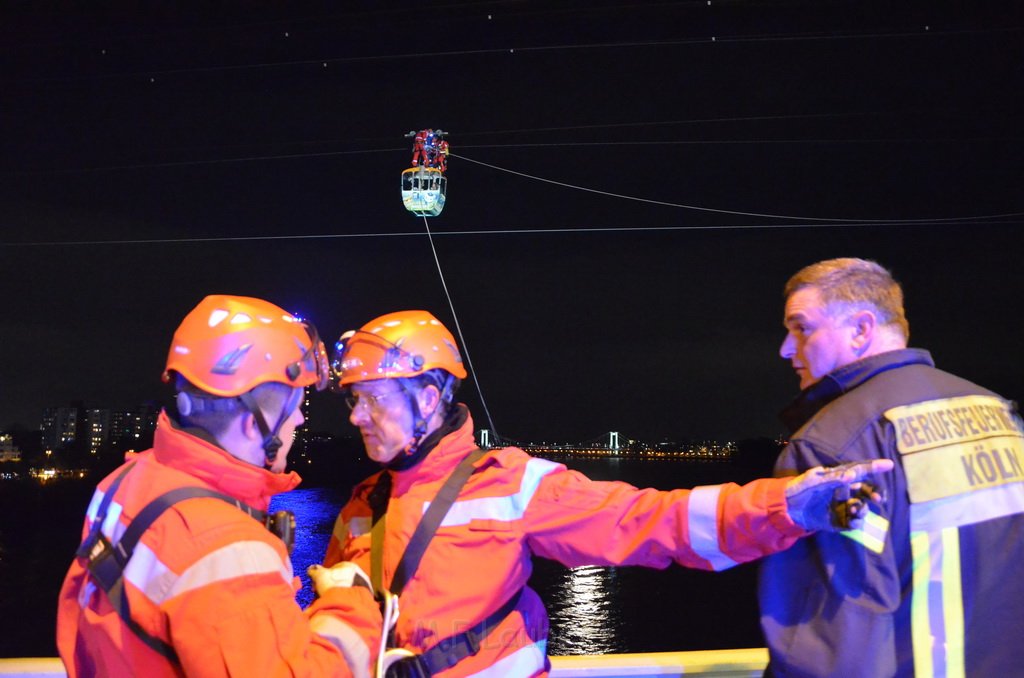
[372,401]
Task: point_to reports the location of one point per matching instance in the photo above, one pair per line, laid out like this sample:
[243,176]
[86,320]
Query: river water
[592,609]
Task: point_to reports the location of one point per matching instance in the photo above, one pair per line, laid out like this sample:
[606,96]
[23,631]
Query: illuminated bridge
[615,444]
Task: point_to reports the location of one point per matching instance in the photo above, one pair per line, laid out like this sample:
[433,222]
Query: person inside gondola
[419,150]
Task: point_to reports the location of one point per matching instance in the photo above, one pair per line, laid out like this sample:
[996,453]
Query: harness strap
[378,500]
[431,520]
[106,561]
[449,651]
[453,649]
[95,533]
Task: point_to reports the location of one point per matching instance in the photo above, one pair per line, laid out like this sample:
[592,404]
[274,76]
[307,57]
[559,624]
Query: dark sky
[150,157]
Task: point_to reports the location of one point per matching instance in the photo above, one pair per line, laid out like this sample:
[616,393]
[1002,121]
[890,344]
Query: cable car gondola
[424,185]
[423,190]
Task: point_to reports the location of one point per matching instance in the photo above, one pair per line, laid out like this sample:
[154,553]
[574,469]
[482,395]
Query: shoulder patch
[952,446]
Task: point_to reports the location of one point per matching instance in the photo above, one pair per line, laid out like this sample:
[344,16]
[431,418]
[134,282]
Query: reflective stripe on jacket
[516,506]
[208,580]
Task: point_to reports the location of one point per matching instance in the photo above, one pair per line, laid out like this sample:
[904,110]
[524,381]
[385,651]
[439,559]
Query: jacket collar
[179,449]
[455,441]
[816,396]
[453,421]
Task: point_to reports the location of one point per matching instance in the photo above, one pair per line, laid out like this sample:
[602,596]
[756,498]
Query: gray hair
[849,285]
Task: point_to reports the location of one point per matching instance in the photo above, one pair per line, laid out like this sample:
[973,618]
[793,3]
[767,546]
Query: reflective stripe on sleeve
[112,528]
[510,507]
[526,661]
[346,639]
[936,604]
[702,518]
[871,534]
[94,505]
[149,574]
[159,583]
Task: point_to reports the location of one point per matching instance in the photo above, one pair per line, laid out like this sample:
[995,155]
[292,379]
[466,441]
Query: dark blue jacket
[932,583]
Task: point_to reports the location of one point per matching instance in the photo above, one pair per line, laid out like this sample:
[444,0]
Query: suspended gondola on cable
[424,185]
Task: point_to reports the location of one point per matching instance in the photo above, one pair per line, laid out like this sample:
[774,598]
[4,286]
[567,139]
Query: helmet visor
[362,356]
[314,359]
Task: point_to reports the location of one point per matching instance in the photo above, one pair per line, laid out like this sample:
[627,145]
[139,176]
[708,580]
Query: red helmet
[401,344]
[228,345]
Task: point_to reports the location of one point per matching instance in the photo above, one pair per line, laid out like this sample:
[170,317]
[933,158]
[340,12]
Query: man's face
[287,436]
[815,342]
[381,412]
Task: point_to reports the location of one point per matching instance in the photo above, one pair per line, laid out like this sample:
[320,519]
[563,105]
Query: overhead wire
[711,39]
[762,215]
[554,144]
[479,232]
[563,184]
[690,121]
[458,329]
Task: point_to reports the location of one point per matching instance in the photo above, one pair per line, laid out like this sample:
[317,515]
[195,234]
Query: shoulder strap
[107,561]
[155,508]
[101,515]
[378,501]
[431,520]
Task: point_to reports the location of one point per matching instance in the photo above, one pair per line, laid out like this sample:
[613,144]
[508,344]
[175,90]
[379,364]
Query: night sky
[151,157]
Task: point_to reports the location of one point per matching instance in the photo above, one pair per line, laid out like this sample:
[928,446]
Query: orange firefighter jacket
[515,506]
[208,580]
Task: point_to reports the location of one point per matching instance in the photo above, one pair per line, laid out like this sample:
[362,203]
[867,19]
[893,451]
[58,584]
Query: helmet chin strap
[419,431]
[271,442]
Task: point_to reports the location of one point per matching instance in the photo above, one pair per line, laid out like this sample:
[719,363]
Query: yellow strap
[871,534]
[952,603]
[951,635]
[921,634]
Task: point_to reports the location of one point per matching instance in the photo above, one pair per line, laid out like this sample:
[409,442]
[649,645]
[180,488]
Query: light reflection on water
[584,616]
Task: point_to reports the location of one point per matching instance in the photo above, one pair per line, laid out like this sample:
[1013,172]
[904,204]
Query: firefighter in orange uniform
[420,147]
[181,571]
[442,155]
[451,529]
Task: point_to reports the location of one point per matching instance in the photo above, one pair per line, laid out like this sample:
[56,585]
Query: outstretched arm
[581,522]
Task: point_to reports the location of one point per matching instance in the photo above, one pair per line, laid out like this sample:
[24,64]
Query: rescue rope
[458,329]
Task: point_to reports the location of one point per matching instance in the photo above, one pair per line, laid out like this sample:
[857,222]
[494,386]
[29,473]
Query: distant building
[145,421]
[8,450]
[133,427]
[59,427]
[95,429]
[97,423]
[122,425]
